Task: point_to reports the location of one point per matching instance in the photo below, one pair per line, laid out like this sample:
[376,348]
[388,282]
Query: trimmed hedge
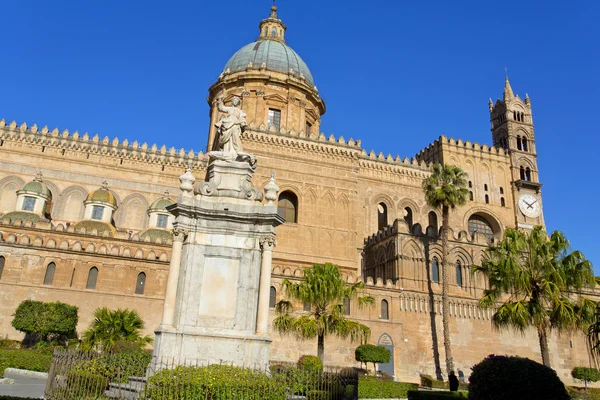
[374,388]
[503,377]
[581,393]
[25,359]
[435,395]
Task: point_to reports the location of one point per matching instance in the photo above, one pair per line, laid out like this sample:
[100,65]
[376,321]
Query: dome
[103,195]
[90,225]
[22,215]
[161,204]
[275,55]
[154,234]
[38,187]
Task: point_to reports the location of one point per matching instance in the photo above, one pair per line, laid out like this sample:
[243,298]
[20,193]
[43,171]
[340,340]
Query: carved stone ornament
[268,243]
[260,93]
[187,181]
[230,178]
[179,234]
[230,128]
[271,190]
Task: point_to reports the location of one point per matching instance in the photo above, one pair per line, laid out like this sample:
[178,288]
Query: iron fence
[90,376]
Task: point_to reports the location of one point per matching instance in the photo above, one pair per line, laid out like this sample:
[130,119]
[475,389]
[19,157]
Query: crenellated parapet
[105,147]
[44,235]
[433,152]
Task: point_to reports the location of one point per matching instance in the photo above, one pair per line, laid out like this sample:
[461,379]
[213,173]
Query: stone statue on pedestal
[229,128]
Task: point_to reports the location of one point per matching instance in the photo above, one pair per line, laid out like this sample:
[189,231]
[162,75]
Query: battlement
[105,146]
[428,153]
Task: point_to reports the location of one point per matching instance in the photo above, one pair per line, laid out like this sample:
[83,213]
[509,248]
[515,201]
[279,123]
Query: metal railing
[89,376]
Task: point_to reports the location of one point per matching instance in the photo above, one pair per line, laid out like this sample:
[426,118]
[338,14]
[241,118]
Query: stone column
[264,289]
[179,236]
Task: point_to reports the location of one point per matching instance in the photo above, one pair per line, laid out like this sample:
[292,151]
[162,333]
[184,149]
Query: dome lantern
[272,28]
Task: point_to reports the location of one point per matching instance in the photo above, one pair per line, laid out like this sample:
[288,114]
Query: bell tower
[512,129]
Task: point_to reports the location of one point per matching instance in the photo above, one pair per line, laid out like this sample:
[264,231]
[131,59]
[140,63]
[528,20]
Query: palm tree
[538,281]
[113,326]
[325,291]
[446,188]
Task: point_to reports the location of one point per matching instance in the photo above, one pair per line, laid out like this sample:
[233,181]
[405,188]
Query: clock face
[530,205]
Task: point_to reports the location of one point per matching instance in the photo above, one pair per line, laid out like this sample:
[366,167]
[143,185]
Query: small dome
[23,216]
[276,56]
[38,187]
[154,234]
[100,226]
[161,204]
[103,195]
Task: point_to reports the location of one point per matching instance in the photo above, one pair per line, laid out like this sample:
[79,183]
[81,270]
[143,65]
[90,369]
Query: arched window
[346,305]
[515,115]
[266,31]
[274,32]
[470,184]
[459,277]
[501,190]
[528,174]
[92,278]
[502,202]
[519,146]
[471,196]
[384,310]
[485,187]
[435,270]
[479,224]
[382,216]
[2,262]
[287,206]
[272,297]
[433,222]
[524,144]
[522,173]
[408,217]
[49,276]
[487,199]
[140,283]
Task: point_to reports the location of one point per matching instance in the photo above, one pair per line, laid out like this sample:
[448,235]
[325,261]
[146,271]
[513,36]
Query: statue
[230,129]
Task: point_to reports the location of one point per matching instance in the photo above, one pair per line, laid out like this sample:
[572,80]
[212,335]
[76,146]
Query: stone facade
[361,210]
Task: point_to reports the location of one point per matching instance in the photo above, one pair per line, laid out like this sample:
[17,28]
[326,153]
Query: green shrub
[435,395]
[46,321]
[369,353]
[215,382]
[502,377]
[428,381]
[318,395]
[7,343]
[584,394]
[312,363]
[118,367]
[374,388]
[81,383]
[25,359]
[586,374]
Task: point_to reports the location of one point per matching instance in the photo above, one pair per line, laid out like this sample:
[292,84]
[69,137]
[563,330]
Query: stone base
[202,347]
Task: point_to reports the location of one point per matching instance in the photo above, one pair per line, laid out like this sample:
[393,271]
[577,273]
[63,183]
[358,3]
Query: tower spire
[508,92]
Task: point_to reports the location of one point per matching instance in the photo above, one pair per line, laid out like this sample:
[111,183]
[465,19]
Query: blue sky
[394,74]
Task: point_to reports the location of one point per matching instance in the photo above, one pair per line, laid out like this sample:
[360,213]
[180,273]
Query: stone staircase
[127,391]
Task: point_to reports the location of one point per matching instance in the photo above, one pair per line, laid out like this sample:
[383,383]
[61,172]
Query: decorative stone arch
[526,162]
[342,212]
[523,133]
[65,202]
[326,209]
[129,218]
[490,216]
[460,254]
[8,192]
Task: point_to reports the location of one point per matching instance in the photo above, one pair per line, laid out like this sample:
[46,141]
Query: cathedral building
[84,219]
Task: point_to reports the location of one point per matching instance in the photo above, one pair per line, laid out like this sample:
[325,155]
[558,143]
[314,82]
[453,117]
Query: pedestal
[212,315]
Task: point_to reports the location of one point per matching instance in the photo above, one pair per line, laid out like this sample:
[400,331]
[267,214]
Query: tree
[369,353]
[445,189]
[111,327]
[586,375]
[536,279]
[324,290]
[46,321]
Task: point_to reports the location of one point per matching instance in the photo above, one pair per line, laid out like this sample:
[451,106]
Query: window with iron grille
[92,278]
[140,283]
[477,223]
[49,277]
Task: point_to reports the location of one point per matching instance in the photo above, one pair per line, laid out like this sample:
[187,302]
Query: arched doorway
[386,341]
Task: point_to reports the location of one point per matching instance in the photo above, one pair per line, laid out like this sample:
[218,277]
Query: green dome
[22,215]
[38,187]
[275,55]
[90,225]
[155,233]
[103,195]
[161,204]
